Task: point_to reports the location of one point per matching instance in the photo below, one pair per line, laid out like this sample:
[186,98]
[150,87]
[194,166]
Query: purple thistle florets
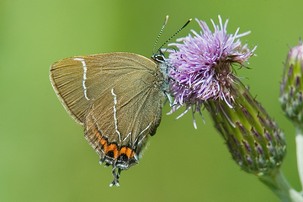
[202,65]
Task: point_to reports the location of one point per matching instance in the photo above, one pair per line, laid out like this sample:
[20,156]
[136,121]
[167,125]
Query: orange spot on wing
[112,148]
[122,150]
[103,141]
[127,151]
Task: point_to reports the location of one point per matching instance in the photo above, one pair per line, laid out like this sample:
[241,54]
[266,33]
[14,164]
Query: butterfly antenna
[160,33]
[179,30]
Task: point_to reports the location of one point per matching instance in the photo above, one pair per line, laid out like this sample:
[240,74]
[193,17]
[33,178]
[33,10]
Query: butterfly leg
[116,173]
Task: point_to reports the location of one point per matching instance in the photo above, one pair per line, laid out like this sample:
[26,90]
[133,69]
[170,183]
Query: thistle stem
[299,145]
[278,184]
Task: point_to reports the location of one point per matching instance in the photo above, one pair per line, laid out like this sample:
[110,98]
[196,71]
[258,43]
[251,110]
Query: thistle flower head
[291,92]
[202,64]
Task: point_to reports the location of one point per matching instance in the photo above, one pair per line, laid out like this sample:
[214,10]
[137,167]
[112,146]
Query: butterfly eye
[159,58]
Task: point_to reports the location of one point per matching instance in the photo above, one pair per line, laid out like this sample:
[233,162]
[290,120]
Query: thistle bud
[253,138]
[291,86]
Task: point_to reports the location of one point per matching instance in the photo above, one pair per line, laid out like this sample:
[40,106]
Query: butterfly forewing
[78,81]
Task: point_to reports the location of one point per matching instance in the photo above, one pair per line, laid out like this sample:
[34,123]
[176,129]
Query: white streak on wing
[115,114]
[84,76]
[145,129]
[127,136]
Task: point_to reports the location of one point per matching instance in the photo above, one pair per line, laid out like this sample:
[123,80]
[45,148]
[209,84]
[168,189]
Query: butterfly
[118,98]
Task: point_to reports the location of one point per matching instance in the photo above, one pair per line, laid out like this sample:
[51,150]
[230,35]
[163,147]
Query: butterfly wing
[118,98]
[78,81]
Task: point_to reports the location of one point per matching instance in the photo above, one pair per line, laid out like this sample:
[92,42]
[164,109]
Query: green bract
[253,138]
[291,87]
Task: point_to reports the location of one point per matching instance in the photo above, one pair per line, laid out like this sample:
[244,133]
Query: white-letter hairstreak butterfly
[117,97]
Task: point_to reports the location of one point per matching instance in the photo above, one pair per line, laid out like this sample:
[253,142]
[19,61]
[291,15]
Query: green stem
[278,184]
[299,145]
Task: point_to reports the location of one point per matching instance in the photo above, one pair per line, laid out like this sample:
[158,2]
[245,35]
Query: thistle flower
[291,90]
[202,73]
[202,65]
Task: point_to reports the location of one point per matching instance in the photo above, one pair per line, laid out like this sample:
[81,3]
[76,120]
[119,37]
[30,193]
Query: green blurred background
[43,154]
